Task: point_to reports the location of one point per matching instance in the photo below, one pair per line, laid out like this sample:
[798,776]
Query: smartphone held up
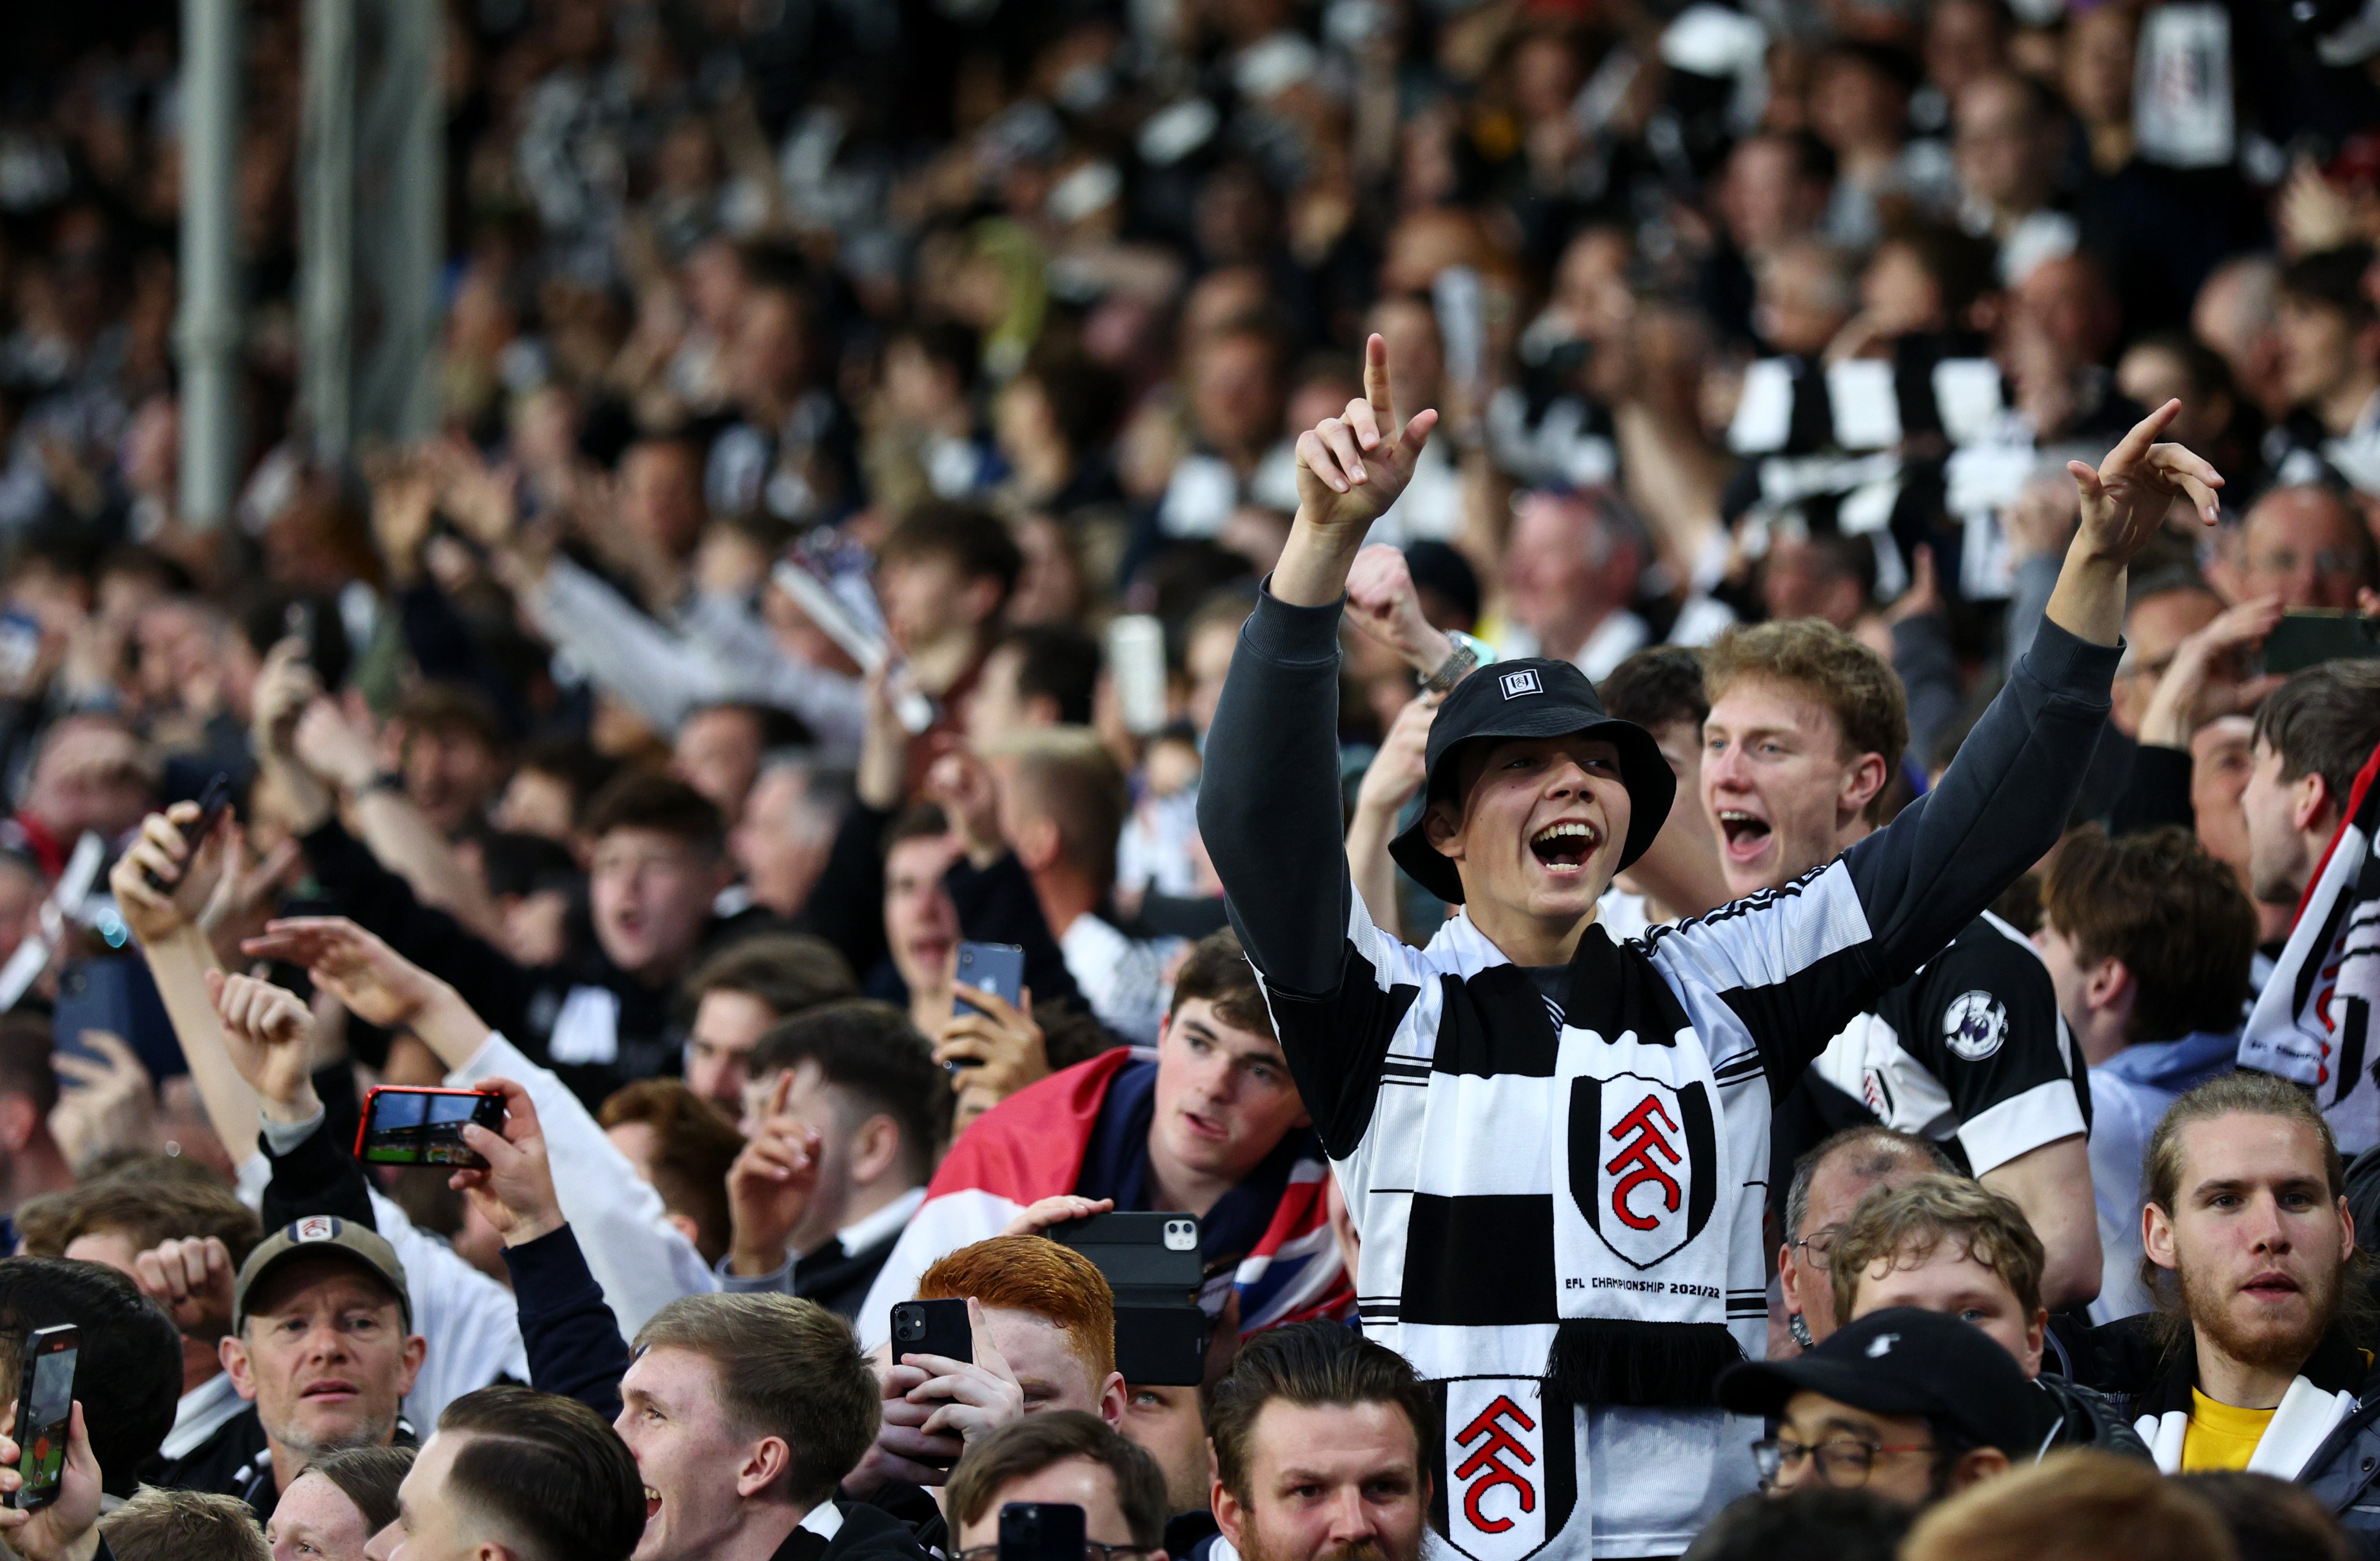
[44,1409]
[412,1127]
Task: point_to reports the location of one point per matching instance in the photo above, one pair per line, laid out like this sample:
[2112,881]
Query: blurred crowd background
[1011,310]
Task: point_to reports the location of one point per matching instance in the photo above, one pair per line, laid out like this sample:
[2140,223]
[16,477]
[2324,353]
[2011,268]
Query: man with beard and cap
[1555,1147]
[2258,1358]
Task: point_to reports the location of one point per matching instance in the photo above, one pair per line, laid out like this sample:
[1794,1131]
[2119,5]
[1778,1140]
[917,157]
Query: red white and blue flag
[2313,1022]
[1046,1140]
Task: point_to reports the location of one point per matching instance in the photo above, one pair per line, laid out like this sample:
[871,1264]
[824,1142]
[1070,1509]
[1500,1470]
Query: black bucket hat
[1535,698]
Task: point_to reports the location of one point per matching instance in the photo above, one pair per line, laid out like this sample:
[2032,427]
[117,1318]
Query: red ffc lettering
[1486,1461]
[1637,1156]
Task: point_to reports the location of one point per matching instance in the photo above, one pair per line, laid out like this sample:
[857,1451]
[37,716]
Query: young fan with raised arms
[1554,1146]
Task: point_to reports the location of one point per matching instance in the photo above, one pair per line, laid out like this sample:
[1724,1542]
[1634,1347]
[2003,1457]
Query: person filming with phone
[1000,1331]
[1212,1128]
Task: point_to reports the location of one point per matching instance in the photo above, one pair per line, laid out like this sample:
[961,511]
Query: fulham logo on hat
[1881,1345]
[315,1227]
[1522,682]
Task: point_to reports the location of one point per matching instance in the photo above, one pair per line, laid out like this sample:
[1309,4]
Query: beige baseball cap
[321,1235]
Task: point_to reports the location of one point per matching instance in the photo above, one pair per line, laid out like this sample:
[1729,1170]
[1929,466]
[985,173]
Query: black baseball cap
[1901,1361]
[1533,698]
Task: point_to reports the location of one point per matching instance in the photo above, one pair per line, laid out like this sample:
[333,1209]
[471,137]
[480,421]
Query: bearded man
[2249,1245]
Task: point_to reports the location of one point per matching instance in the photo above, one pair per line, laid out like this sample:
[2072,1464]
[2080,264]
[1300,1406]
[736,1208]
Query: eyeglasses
[1843,1463]
[1817,1248]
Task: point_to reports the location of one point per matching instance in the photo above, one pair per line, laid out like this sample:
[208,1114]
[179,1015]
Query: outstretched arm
[1899,897]
[1269,807]
[640,1261]
[165,921]
[2124,502]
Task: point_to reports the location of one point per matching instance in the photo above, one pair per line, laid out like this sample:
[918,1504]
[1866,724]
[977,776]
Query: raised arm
[640,1261]
[1899,897]
[392,824]
[2005,801]
[164,922]
[1269,807]
[574,1343]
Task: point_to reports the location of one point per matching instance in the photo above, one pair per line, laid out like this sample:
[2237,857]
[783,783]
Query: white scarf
[2303,1420]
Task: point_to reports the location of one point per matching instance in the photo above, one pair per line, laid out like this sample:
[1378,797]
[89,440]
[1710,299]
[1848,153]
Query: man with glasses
[2305,547]
[1827,1184]
[1066,1457]
[1914,1406]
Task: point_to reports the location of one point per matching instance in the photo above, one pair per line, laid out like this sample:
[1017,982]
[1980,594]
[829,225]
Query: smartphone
[92,994]
[1154,1264]
[45,1406]
[410,1127]
[214,801]
[1041,1531]
[113,993]
[1137,651]
[2308,636]
[932,1328]
[1139,1252]
[297,623]
[20,648]
[1162,1345]
[996,968]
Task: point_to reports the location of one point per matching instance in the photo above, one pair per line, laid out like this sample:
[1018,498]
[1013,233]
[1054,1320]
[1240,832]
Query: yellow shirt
[2219,1435]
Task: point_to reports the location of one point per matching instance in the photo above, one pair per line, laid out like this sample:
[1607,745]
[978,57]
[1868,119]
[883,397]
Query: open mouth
[1205,1127]
[1747,834]
[652,1503]
[1564,848]
[2271,1286]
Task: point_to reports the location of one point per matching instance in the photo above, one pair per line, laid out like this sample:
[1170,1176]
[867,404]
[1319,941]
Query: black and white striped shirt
[1561,1217]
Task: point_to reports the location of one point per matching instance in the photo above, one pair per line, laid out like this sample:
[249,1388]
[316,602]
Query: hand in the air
[1351,468]
[2125,500]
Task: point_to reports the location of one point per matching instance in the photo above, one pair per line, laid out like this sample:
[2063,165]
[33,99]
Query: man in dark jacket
[851,1108]
[2262,1366]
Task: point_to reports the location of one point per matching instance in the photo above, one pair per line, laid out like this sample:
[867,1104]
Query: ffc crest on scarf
[1032,1145]
[2313,1022]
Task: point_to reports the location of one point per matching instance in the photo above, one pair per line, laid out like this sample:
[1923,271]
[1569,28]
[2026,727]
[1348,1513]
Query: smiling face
[1224,1097]
[2255,1234]
[1540,827]
[1778,784]
[325,1357]
[686,1451]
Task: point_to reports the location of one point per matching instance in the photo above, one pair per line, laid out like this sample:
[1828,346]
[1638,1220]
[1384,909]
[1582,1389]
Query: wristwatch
[1468,652]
